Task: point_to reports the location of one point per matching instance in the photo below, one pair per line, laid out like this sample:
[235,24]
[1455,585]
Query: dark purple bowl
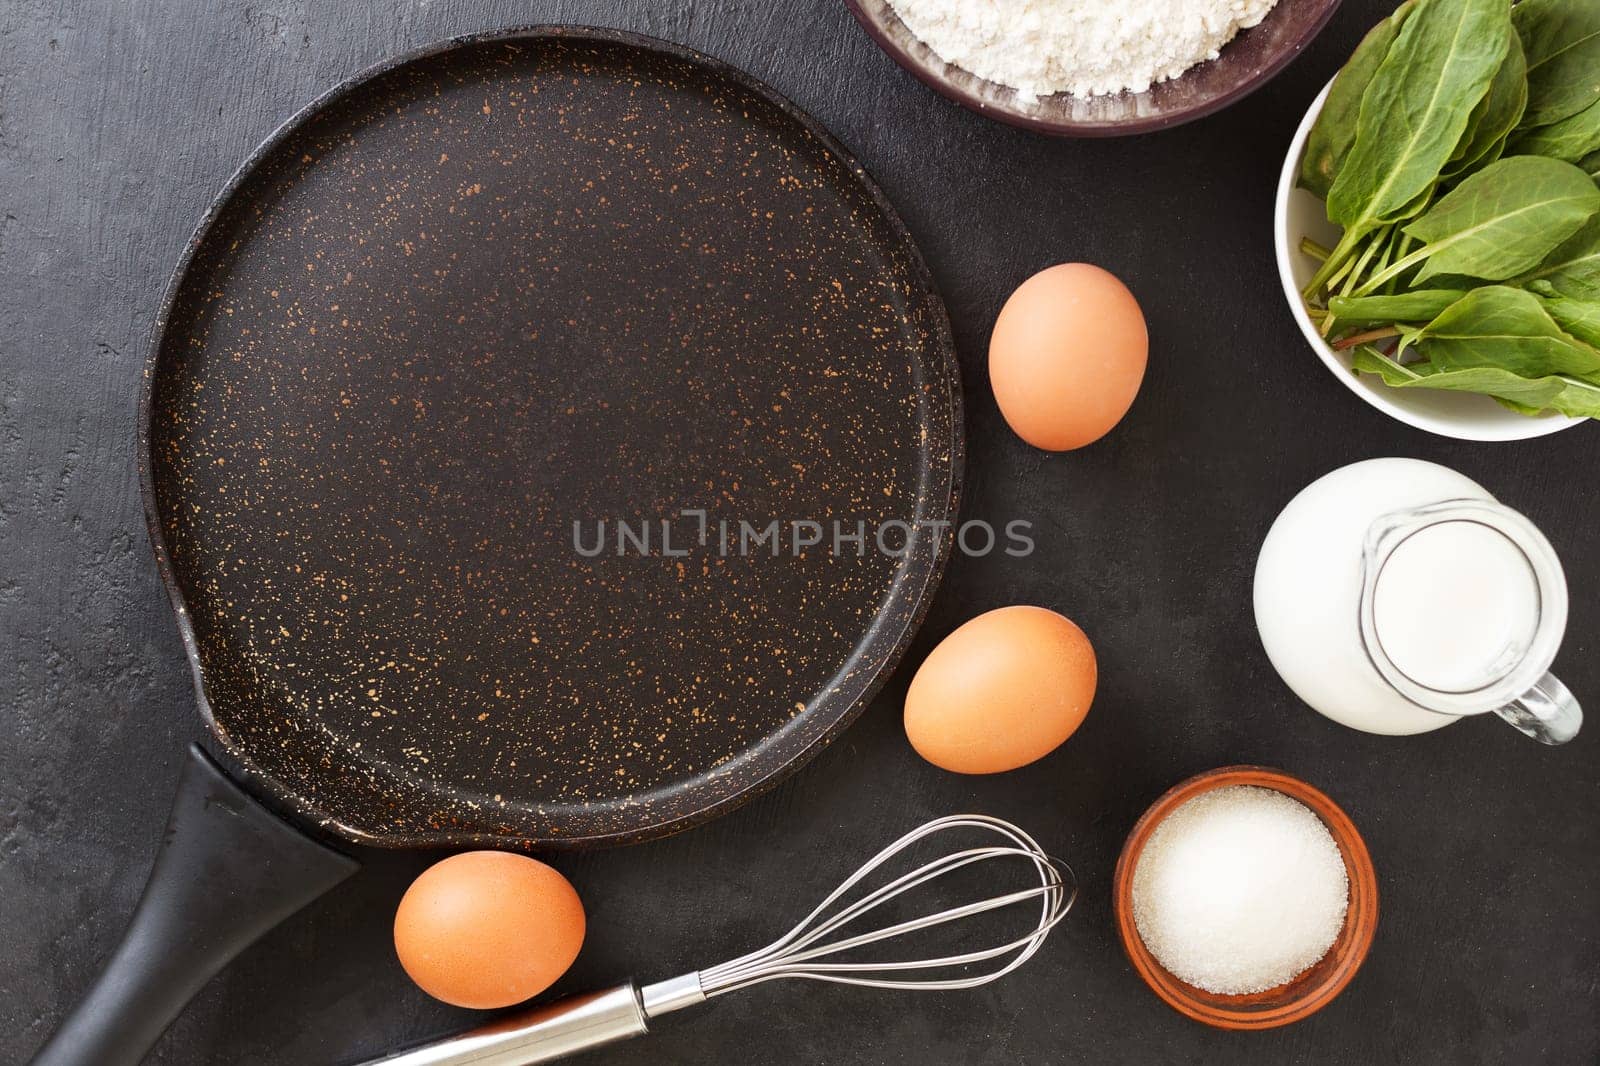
[1246,63]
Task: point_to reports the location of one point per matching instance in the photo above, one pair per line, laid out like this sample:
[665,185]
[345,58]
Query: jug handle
[1547,712]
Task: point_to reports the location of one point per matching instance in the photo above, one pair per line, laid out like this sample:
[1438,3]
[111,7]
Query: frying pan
[443,332]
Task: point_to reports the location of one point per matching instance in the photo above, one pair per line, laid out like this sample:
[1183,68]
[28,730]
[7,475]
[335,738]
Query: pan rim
[941,359]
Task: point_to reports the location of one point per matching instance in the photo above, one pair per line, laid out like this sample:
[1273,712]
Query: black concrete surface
[120,120]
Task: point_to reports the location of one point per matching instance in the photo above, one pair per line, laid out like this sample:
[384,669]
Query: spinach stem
[1339,275]
[1315,250]
[1363,338]
[1405,248]
[1396,269]
[1348,244]
[1390,244]
[1360,269]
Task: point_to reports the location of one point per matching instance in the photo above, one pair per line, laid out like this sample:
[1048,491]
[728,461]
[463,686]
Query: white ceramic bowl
[1462,415]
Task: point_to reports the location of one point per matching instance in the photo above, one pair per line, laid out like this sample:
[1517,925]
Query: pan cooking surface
[489,292]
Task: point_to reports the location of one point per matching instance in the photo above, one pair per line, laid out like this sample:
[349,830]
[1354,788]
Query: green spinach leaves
[1459,149]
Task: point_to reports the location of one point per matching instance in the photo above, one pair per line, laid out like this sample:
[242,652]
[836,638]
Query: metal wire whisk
[808,951]
[799,952]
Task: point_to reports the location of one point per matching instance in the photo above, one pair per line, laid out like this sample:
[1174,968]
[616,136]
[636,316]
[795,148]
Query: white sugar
[1239,890]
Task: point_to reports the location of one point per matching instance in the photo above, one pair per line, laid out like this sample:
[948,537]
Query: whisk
[810,950]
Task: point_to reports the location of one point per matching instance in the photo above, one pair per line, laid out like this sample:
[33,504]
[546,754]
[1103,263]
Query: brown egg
[1067,356]
[487,929]
[1001,691]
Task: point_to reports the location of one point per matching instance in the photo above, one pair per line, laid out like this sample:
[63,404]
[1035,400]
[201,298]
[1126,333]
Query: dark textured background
[119,120]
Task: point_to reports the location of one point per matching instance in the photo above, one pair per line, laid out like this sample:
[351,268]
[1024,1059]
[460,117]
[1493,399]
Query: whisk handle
[542,1034]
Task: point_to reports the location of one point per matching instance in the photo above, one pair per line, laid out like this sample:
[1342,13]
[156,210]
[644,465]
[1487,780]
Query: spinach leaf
[1415,110]
[1580,318]
[1419,305]
[1519,408]
[1571,139]
[1496,115]
[1498,326]
[1573,269]
[1590,165]
[1562,42]
[1335,129]
[1568,395]
[1503,220]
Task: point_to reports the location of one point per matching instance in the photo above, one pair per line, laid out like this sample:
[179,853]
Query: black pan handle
[228,871]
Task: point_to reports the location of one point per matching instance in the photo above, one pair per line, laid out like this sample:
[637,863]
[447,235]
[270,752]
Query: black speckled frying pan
[461,303]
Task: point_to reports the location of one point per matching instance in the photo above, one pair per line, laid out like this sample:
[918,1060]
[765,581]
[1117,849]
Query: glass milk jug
[1396,596]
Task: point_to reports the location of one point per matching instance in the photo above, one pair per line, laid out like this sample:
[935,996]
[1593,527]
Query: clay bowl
[1306,994]
[1244,65]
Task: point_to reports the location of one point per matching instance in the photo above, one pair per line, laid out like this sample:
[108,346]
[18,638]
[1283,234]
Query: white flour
[1084,47]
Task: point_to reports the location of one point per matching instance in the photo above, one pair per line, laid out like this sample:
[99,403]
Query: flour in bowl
[1085,47]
